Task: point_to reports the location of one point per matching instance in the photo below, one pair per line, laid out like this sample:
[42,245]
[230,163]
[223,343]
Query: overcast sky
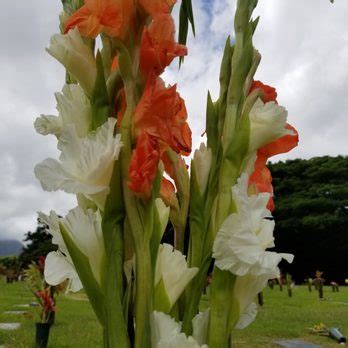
[304,45]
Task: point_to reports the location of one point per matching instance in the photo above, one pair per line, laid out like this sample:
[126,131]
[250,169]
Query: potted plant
[45,296]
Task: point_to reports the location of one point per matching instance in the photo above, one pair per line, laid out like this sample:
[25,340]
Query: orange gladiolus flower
[112,17]
[159,123]
[154,7]
[269,93]
[158,47]
[261,178]
[161,112]
[143,166]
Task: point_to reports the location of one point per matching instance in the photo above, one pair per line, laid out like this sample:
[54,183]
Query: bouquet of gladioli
[123,135]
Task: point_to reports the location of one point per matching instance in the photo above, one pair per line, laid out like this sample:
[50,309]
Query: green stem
[115,334]
[220,307]
[143,300]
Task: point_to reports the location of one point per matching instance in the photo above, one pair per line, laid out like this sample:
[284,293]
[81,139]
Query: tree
[38,244]
[311,215]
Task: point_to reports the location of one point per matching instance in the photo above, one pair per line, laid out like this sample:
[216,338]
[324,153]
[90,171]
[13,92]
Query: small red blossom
[47,300]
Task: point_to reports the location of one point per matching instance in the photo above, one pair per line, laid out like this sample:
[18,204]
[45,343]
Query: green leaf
[100,99]
[83,268]
[198,226]
[185,17]
[212,125]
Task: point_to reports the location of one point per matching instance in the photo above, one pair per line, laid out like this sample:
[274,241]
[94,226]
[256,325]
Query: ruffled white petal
[241,243]
[48,124]
[166,333]
[58,268]
[202,162]
[85,165]
[77,58]
[73,107]
[267,123]
[171,266]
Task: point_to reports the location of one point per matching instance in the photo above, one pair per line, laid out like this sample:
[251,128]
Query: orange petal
[281,145]
[167,193]
[154,7]
[113,17]
[143,166]
[161,112]
[269,93]
[158,47]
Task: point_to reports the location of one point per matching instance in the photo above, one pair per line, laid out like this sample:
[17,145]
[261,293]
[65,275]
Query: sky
[304,48]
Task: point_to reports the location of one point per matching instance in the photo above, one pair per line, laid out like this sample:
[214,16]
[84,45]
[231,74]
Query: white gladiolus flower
[202,162]
[85,230]
[267,123]
[240,244]
[166,333]
[172,268]
[74,107]
[85,164]
[58,264]
[77,58]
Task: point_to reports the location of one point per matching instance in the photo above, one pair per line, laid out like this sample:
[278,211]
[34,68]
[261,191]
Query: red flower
[144,164]
[158,47]
[113,17]
[269,93]
[47,300]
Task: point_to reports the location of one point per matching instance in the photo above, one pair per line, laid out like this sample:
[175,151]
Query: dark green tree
[37,244]
[311,214]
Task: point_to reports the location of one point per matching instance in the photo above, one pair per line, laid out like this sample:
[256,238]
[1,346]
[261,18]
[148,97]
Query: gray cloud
[305,53]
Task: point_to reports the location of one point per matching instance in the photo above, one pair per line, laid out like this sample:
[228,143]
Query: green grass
[280,317]
[75,325]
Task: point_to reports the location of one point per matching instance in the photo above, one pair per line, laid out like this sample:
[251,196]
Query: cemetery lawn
[281,317]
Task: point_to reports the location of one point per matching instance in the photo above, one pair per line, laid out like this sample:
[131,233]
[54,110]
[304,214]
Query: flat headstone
[22,305]
[296,344]
[15,312]
[10,326]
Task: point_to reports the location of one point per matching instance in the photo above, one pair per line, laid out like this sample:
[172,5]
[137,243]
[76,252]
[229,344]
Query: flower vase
[42,334]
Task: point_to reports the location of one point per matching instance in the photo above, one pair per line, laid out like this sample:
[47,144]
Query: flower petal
[171,266]
[58,268]
[77,58]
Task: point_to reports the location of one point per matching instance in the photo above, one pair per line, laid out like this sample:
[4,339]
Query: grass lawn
[280,317]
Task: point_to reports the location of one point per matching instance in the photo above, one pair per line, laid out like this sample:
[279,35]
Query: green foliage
[38,244]
[185,17]
[311,198]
